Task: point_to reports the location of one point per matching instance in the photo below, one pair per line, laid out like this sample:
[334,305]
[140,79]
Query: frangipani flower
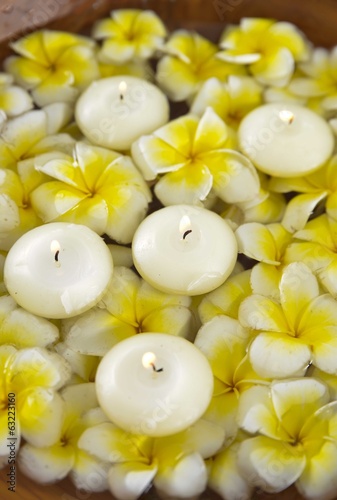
[290,334]
[314,188]
[295,438]
[53,65]
[95,187]
[21,329]
[33,375]
[269,48]
[193,155]
[224,343]
[225,477]
[34,133]
[128,307]
[266,207]
[231,100]
[226,299]
[16,216]
[191,60]
[266,244]
[83,367]
[137,461]
[47,464]
[14,100]
[317,249]
[320,78]
[129,35]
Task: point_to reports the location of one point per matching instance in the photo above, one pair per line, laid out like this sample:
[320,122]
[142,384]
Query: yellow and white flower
[138,461]
[231,100]
[226,299]
[34,133]
[21,329]
[225,477]
[16,216]
[193,156]
[295,440]
[96,187]
[190,61]
[299,329]
[320,78]
[47,464]
[14,100]
[34,376]
[270,49]
[53,65]
[130,35]
[267,244]
[129,306]
[315,245]
[224,343]
[315,188]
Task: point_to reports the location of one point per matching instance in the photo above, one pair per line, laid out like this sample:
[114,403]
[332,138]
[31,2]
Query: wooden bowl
[317,19]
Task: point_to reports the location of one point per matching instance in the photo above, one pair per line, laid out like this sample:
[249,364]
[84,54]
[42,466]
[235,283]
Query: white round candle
[184,249]
[114,112]
[154,384]
[58,270]
[285,140]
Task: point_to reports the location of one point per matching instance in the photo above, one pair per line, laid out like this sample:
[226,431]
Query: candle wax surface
[114,112]
[184,250]
[155,403]
[58,270]
[285,147]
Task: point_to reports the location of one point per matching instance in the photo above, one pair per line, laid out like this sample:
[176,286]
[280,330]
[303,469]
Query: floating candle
[184,249]
[154,384]
[58,270]
[285,140]
[114,112]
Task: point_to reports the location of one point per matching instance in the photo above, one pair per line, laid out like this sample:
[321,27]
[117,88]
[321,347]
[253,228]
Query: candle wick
[186,233]
[57,255]
[157,370]
[121,97]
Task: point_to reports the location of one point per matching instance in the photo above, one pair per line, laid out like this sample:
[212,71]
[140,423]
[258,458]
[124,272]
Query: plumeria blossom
[14,100]
[231,100]
[194,156]
[34,376]
[313,188]
[225,476]
[270,49]
[224,343]
[137,461]
[190,61]
[129,306]
[130,35]
[21,329]
[16,216]
[53,65]
[299,329]
[266,207]
[319,79]
[226,299]
[83,367]
[34,133]
[316,245]
[294,438]
[96,187]
[267,244]
[47,464]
